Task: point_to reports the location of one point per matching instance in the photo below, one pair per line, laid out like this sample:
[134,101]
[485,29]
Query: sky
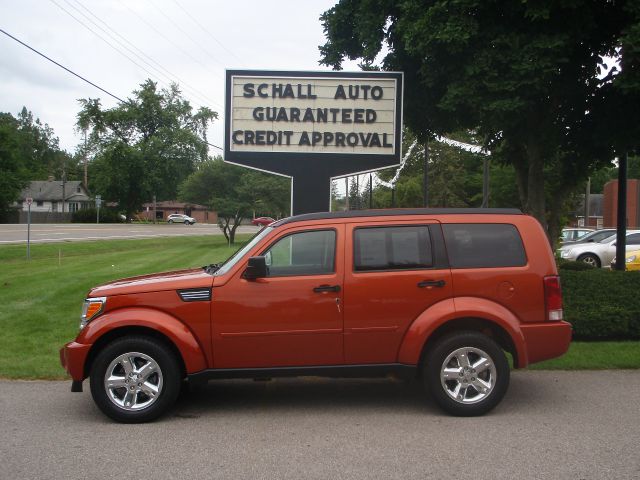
[191,42]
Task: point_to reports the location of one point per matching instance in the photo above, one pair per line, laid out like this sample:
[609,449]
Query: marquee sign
[313,126]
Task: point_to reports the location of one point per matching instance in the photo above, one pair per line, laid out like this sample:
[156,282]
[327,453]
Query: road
[551,425]
[60,232]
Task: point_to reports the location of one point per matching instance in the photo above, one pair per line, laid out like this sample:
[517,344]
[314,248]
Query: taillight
[553,298]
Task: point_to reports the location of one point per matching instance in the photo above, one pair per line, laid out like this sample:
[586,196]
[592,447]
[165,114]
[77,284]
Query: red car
[436,294]
[262,221]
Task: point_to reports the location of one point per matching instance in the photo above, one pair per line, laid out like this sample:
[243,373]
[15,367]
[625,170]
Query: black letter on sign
[315,138]
[248,137]
[258,114]
[340,93]
[261,87]
[352,139]
[371,115]
[340,139]
[385,144]
[376,93]
[375,141]
[358,115]
[235,137]
[248,90]
[304,139]
[272,137]
[328,138]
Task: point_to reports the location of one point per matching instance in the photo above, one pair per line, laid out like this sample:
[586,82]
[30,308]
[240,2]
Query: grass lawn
[595,356]
[41,299]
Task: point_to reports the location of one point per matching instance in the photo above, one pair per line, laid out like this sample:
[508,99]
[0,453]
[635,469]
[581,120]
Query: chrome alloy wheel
[133,381]
[468,375]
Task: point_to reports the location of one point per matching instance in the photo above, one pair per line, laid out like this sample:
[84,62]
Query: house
[163,209]
[53,200]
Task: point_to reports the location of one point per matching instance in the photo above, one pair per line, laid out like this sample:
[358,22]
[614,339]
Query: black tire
[186,222]
[478,403]
[170,375]
[590,259]
[170,221]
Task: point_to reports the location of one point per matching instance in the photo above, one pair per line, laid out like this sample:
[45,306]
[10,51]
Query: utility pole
[86,161]
[587,194]
[64,182]
[346,193]
[621,235]
[425,175]
[370,190]
[154,210]
[485,182]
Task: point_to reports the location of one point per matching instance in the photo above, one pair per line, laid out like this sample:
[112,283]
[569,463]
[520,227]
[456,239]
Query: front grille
[195,295]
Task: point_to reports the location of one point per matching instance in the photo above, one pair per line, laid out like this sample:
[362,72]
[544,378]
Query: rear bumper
[72,357]
[545,340]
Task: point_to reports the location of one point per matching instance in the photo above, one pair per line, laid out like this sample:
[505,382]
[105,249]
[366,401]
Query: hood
[176,280]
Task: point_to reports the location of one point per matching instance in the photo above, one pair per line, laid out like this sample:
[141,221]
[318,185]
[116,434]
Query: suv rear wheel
[467,373]
[135,379]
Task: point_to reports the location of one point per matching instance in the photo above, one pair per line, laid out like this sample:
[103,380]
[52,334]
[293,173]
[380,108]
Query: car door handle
[432,283]
[327,288]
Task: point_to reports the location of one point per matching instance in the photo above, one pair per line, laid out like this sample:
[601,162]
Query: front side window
[303,253]
[392,248]
[483,245]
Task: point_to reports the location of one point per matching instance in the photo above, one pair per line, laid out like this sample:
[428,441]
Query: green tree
[145,146]
[13,173]
[235,193]
[532,83]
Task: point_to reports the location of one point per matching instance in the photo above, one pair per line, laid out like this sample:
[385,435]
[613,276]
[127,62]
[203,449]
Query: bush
[573,265]
[107,215]
[602,304]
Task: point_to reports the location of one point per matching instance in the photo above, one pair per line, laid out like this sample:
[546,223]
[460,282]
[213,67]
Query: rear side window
[484,245]
[392,248]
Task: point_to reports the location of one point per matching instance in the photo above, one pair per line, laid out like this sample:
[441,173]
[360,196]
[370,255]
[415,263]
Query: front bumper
[72,357]
[546,340]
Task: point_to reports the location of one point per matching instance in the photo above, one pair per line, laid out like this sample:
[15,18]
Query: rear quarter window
[484,245]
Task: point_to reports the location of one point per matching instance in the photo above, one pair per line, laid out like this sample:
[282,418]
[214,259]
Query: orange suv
[439,294]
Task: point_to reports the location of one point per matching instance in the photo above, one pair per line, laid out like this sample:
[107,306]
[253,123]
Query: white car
[180,218]
[598,254]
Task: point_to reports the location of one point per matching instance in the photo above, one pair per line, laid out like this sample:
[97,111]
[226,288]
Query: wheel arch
[142,321]
[466,313]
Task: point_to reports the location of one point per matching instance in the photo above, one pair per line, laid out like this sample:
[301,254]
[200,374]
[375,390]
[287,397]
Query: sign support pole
[29,231]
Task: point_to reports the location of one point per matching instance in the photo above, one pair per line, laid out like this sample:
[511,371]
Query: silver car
[180,218]
[598,254]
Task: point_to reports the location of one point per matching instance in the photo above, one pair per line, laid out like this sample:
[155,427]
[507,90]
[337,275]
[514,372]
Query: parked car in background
[573,234]
[262,221]
[632,261]
[180,218]
[598,254]
[593,237]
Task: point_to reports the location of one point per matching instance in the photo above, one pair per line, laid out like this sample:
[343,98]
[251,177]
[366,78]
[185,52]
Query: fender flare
[177,332]
[450,309]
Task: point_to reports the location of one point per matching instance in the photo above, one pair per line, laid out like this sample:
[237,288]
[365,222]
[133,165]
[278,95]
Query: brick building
[163,209]
[611,203]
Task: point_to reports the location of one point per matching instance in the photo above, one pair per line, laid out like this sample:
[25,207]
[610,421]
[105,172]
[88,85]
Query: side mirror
[256,268]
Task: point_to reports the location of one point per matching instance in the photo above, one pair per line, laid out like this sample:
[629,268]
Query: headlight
[630,259]
[565,253]
[91,308]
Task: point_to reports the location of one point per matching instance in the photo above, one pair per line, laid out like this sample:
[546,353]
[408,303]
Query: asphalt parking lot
[69,232]
[551,425]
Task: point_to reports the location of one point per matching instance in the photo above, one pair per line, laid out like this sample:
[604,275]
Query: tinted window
[483,245]
[633,239]
[304,253]
[391,248]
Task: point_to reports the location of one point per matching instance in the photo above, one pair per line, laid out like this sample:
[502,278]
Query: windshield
[236,257]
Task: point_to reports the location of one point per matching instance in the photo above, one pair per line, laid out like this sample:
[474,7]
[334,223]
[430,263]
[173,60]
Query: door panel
[380,305]
[282,320]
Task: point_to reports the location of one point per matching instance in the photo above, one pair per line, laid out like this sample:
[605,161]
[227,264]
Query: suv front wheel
[467,373]
[135,379]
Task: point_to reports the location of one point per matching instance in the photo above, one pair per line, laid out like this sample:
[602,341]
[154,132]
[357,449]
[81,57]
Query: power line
[75,74]
[102,38]
[205,30]
[160,69]
[184,32]
[175,45]
[63,67]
